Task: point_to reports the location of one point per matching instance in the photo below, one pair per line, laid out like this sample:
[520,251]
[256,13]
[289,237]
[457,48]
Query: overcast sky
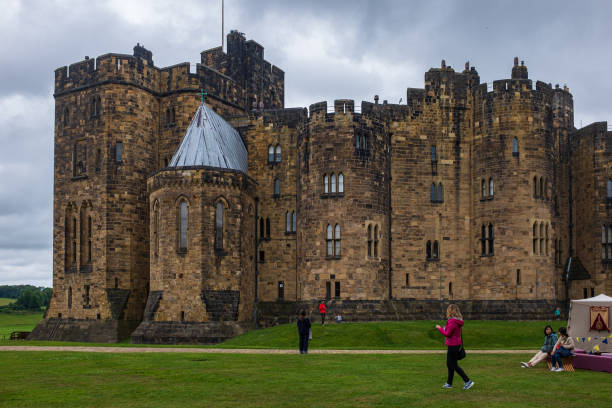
[328,50]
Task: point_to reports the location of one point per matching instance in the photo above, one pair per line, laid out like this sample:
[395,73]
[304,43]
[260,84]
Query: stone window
[261,228]
[333,183]
[450,289]
[328,290]
[490,187]
[541,189]
[95,107]
[267,227]
[361,142]
[287,222]
[170,118]
[85,224]
[546,243]
[432,193]
[585,293]
[428,250]
[436,251]
[119,152]
[276,187]
[117,284]
[69,297]
[484,188]
[79,159]
[337,289]
[491,240]
[483,240]
[376,241]
[293,221]
[337,240]
[325,184]
[370,241]
[66,119]
[606,243]
[535,238]
[535,187]
[609,194]
[340,183]
[515,150]
[86,296]
[518,276]
[541,251]
[434,154]
[281,290]
[182,316]
[219,226]
[262,256]
[440,195]
[182,222]
[156,228]
[98,160]
[592,292]
[74,241]
[270,154]
[560,252]
[69,238]
[407,279]
[278,153]
[329,238]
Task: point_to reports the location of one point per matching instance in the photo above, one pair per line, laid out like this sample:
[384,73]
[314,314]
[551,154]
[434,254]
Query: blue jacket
[549,342]
[303,326]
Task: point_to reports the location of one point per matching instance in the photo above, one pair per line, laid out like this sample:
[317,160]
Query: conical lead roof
[211,141]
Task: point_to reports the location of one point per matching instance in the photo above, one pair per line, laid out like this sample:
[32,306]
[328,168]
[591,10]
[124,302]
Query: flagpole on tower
[222,23]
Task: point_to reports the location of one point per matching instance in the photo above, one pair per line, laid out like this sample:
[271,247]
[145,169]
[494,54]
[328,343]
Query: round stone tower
[201,239]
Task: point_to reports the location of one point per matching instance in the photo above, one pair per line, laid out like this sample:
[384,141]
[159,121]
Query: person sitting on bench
[563,348]
[550,339]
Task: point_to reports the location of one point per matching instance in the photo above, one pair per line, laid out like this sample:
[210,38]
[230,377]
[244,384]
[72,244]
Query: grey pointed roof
[211,141]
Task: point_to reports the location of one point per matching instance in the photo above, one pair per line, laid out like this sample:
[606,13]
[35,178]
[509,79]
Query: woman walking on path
[550,338]
[322,311]
[452,332]
[303,325]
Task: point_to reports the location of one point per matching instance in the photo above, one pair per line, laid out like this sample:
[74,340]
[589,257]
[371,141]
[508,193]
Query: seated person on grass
[563,348]
[550,339]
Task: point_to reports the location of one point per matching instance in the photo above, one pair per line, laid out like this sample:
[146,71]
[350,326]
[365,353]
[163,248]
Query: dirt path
[238,351]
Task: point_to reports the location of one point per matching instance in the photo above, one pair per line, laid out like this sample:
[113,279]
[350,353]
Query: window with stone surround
[74,241]
[85,225]
[333,183]
[95,108]
[440,195]
[546,242]
[268,227]
[490,187]
[261,228]
[541,189]
[337,289]
[535,187]
[541,250]
[293,222]
[277,156]
[276,187]
[281,290]
[86,296]
[69,297]
[340,183]
[450,289]
[79,159]
[609,194]
[332,241]
[436,251]
[432,193]
[66,118]
[270,154]
[337,240]
[287,222]
[370,241]
[518,276]
[483,185]
[491,240]
[376,241]
[325,184]
[69,238]
[428,250]
[434,154]
[515,150]
[407,279]
[606,243]
[119,152]
[329,238]
[156,228]
[219,225]
[182,224]
[487,240]
[483,241]
[535,238]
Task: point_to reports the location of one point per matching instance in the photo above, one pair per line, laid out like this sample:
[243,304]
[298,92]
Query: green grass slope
[18,321]
[6,301]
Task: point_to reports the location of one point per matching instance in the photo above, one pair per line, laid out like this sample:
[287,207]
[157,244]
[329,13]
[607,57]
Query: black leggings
[304,343]
[451,363]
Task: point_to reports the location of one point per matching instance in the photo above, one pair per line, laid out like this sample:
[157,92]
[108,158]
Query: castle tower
[201,234]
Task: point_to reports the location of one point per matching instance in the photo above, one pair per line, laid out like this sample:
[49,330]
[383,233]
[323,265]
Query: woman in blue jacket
[550,338]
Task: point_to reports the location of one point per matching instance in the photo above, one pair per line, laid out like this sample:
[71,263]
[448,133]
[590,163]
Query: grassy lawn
[36,379]
[18,321]
[6,301]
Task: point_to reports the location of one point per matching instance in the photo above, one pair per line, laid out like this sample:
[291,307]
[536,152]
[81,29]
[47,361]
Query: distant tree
[47,293]
[30,300]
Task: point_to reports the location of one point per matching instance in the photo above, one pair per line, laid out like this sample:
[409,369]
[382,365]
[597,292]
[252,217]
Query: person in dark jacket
[452,332]
[550,339]
[303,325]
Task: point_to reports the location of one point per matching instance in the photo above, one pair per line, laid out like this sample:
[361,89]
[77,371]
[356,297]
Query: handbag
[461,354]
[309,334]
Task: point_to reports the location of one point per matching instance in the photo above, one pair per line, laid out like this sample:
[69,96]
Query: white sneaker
[553,369]
[560,369]
[524,365]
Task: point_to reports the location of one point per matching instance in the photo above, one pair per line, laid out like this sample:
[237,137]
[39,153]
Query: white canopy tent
[579,324]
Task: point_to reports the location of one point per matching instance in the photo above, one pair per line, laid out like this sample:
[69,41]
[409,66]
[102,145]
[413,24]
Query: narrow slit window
[325,184]
[370,240]
[277,187]
[278,154]
[183,220]
[376,241]
[119,152]
[491,187]
[333,183]
[219,226]
[329,240]
[340,183]
[270,154]
[293,221]
[337,240]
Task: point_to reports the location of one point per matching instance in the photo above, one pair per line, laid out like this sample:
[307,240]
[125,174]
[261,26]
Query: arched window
[491,187]
[376,241]
[357,141]
[337,240]
[219,226]
[333,183]
[89,247]
[541,189]
[325,184]
[432,193]
[69,297]
[515,151]
[340,183]
[156,228]
[436,250]
[270,154]
[329,240]
[541,250]
[491,240]
[276,187]
[609,190]
[428,250]
[278,153]
[287,222]
[183,219]
[483,240]
[294,221]
[268,227]
[369,240]
[261,228]
[450,289]
[535,187]
[483,185]
[440,193]
[434,154]
[546,243]
[84,234]
[535,238]
[74,241]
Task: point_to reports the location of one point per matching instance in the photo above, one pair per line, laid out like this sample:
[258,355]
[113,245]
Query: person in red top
[452,332]
[322,311]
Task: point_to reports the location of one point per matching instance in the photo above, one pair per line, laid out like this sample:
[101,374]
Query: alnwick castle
[191,205]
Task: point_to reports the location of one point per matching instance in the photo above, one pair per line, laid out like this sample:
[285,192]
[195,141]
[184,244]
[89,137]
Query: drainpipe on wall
[255,243]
